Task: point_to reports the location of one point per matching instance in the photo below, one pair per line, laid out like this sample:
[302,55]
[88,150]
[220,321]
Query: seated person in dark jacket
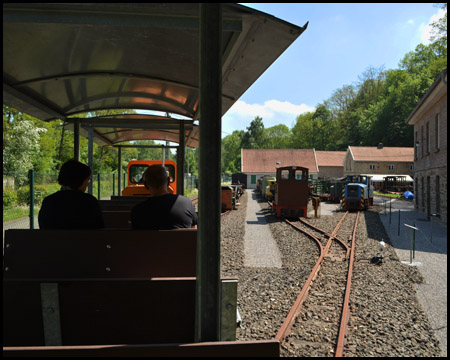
[163,210]
[71,207]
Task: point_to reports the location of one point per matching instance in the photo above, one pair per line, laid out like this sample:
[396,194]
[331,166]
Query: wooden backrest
[73,312]
[102,311]
[117,219]
[118,204]
[59,254]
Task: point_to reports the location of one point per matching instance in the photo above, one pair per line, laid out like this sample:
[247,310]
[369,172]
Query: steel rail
[345,309]
[295,310]
[327,234]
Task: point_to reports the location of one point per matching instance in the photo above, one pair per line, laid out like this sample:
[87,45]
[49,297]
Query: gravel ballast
[385,317]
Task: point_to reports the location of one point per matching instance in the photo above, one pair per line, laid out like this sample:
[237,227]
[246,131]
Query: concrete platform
[429,255]
[260,248]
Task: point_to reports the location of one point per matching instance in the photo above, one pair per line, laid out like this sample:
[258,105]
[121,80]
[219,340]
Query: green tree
[278,137]
[231,152]
[303,135]
[22,145]
[440,29]
[254,137]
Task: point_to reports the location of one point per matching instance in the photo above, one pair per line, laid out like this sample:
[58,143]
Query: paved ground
[260,248]
[430,256]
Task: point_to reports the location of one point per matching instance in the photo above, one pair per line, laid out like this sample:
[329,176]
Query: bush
[9,197]
[40,192]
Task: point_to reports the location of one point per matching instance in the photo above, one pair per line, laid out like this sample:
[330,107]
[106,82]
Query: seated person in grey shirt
[162,210]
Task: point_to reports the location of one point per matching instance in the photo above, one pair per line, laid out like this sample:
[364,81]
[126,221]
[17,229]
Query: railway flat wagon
[336,190]
[239,179]
[292,192]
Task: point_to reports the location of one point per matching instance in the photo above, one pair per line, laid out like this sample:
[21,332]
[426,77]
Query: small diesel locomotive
[357,193]
[291,192]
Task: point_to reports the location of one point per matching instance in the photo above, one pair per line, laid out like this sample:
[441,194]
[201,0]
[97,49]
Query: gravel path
[386,318]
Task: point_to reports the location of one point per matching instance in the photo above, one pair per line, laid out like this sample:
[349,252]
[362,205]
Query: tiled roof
[372,153]
[330,158]
[265,160]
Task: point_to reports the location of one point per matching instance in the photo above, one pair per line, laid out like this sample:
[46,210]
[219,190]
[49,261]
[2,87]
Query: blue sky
[340,43]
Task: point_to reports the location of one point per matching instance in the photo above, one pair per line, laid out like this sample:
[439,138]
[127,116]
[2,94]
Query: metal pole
[398,222]
[90,154]
[390,211]
[31,179]
[76,140]
[114,184]
[414,240]
[411,244]
[119,172]
[98,184]
[180,160]
[207,314]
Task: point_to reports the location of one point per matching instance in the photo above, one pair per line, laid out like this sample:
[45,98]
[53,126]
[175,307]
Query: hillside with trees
[363,114]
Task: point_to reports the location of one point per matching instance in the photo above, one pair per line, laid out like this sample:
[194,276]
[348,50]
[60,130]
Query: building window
[438,195]
[411,167]
[421,140]
[422,183]
[416,143]
[428,137]
[391,167]
[253,179]
[416,192]
[437,132]
[372,167]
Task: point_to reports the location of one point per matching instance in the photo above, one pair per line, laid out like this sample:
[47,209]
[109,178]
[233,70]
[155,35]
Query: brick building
[330,164]
[258,162]
[379,160]
[429,119]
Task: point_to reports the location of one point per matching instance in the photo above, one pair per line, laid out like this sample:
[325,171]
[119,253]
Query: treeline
[363,114]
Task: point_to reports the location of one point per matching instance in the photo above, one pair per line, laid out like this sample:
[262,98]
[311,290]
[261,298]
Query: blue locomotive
[357,192]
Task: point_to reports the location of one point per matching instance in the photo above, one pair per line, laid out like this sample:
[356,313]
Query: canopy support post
[207,318]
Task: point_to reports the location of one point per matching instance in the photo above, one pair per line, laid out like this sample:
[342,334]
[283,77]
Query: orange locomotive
[135,173]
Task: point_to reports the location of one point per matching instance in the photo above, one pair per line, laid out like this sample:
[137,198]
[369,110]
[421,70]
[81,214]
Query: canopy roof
[60,60]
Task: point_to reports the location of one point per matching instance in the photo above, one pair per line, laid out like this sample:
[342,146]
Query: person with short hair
[71,207]
[162,210]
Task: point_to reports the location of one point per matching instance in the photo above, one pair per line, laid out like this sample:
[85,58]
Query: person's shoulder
[87,196]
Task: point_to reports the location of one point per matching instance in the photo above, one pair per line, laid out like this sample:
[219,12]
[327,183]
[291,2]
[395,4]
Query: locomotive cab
[292,192]
[135,172]
[358,193]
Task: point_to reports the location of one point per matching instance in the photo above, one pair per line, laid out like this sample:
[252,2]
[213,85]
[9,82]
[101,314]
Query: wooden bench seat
[31,254]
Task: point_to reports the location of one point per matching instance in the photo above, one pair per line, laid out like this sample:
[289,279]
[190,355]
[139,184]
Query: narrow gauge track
[320,314]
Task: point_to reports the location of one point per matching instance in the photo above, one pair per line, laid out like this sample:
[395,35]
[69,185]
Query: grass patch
[394,196]
[18,212]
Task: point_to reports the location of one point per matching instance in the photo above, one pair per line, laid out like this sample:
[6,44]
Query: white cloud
[273,112]
[426,29]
